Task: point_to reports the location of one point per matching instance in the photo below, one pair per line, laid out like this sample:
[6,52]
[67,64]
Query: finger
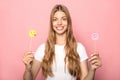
[30,60]
[94,61]
[94,58]
[27,54]
[27,60]
[98,64]
[27,57]
[95,66]
[94,54]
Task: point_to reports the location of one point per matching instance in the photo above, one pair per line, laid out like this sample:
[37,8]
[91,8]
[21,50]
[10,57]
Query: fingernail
[91,55]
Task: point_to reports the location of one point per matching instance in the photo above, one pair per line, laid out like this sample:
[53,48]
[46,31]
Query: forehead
[59,13]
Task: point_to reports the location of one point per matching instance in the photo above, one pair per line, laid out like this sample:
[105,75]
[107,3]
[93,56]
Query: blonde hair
[71,57]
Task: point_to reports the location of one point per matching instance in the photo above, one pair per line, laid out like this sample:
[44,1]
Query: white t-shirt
[58,65]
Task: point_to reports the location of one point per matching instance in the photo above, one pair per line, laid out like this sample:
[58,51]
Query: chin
[60,32]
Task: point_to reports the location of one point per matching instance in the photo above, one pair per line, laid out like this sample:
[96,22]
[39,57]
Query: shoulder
[80,45]
[39,54]
[41,49]
[81,51]
[42,46]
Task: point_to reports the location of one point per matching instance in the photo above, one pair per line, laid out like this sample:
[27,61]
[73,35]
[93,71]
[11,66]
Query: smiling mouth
[60,28]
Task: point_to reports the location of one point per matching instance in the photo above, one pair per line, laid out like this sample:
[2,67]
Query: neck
[61,39]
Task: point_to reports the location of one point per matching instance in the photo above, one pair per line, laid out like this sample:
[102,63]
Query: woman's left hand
[95,61]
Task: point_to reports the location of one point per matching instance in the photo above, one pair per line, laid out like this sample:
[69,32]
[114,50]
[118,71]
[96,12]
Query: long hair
[72,57]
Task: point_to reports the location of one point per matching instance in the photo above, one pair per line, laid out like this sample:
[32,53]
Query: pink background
[17,17]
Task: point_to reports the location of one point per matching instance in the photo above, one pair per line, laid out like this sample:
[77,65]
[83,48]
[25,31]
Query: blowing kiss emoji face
[60,22]
[32,33]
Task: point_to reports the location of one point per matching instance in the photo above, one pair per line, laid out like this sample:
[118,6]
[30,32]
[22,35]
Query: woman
[61,57]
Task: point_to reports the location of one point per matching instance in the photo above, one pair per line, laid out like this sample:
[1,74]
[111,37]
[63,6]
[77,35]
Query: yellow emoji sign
[32,33]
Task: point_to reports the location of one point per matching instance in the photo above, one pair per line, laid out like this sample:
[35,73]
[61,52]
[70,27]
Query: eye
[31,32]
[64,18]
[54,19]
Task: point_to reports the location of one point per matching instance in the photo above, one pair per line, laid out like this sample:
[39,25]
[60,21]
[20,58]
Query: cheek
[65,23]
[54,23]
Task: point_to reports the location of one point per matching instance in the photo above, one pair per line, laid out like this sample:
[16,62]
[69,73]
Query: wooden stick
[30,44]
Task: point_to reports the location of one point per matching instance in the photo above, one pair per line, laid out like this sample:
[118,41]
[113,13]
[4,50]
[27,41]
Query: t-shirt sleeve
[39,54]
[82,52]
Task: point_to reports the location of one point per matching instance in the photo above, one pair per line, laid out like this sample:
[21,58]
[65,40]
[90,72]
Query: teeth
[60,28]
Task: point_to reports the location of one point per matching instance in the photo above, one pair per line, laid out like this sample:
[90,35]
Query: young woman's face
[60,22]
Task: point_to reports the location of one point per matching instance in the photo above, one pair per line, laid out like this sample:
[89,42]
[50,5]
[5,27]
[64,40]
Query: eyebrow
[62,17]
[65,16]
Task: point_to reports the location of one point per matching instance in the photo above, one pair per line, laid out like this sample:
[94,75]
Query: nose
[59,22]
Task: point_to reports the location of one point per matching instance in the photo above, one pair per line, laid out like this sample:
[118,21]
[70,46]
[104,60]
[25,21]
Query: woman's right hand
[27,60]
